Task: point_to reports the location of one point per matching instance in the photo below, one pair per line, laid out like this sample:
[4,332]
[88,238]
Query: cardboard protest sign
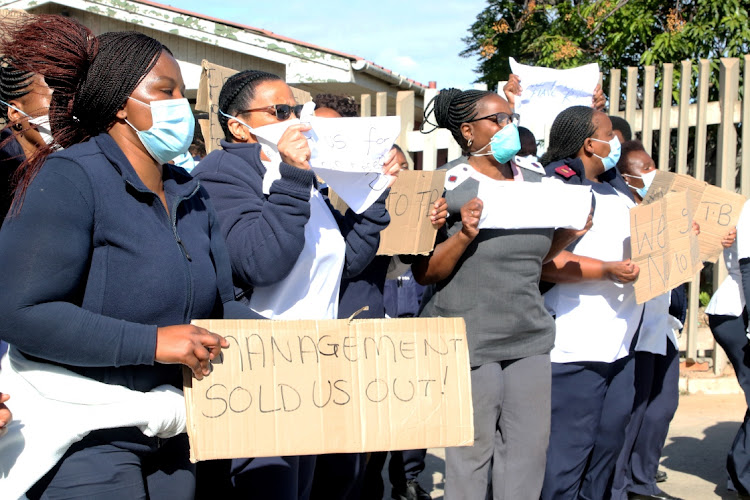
[715,210]
[348,154]
[409,203]
[718,212]
[667,182]
[13,15]
[213,77]
[340,204]
[663,245]
[547,92]
[331,386]
[515,205]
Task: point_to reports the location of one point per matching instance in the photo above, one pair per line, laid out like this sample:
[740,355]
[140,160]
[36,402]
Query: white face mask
[41,124]
[268,135]
[647,179]
[268,138]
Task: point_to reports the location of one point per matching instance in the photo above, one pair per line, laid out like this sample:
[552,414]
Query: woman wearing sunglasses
[289,248]
[490,277]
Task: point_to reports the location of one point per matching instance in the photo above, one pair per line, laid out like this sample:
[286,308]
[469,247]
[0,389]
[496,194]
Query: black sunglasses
[501,118]
[282,111]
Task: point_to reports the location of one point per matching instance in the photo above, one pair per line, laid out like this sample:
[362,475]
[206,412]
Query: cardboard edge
[187,385]
[467,427]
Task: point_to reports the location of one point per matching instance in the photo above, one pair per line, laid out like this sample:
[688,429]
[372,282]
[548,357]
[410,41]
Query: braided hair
[237,94]
[568,132]
[452,108]
[14,84]
[91,77]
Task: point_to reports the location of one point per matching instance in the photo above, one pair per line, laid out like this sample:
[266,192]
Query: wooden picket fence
[671,125]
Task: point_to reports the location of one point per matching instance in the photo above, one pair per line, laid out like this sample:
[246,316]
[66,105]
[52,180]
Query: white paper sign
[547,92]
[348,154]
[524,205]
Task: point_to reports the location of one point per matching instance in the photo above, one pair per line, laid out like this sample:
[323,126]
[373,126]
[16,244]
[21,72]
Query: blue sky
[420,40]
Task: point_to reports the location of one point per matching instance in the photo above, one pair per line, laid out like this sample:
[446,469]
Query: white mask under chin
[41,123]
[268,138]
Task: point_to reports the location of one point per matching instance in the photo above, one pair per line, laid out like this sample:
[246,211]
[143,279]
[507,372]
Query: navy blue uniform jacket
[93,264]
[11,156]
[266,233]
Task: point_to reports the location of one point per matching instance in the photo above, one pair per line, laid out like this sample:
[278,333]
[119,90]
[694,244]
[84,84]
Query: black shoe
[413,492]
[658,496]
[661,476]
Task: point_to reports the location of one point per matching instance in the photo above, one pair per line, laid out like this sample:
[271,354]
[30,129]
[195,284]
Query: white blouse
[729,300]
[311,290]
[657,326]
[597,319]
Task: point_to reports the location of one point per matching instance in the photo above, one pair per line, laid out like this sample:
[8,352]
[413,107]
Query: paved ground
[699,438]
[694,455]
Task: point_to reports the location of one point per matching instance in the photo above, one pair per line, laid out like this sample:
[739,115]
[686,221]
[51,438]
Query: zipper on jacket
[188,259]
[182,245]
[172,218]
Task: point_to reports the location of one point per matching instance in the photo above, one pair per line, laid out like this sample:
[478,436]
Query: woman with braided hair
[596,316]
[108,255]
[24,105]
[288,246]
[490,277]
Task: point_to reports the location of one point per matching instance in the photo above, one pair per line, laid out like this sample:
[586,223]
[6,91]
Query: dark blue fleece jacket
[265,234]
[11,156]
[572,171]
[93,264]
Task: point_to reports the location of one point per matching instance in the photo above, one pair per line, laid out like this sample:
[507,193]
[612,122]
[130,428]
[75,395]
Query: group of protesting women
[110,250]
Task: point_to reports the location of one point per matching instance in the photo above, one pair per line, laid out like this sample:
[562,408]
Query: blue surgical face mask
[186,161]
[171,132]
[504,144]
[647,179]
[613,157]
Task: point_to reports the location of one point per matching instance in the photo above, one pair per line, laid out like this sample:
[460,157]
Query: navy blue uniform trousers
[591,406]
[339,475]
[729,332]
[404,466]
[280,478]
[656,399]
[123,463]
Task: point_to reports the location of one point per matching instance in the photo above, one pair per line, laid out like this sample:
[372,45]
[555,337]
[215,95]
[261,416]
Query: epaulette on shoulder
[565,171]
[529,163]
[457,175]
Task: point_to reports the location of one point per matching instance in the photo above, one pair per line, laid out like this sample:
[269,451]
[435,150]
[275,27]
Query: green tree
[615,34]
